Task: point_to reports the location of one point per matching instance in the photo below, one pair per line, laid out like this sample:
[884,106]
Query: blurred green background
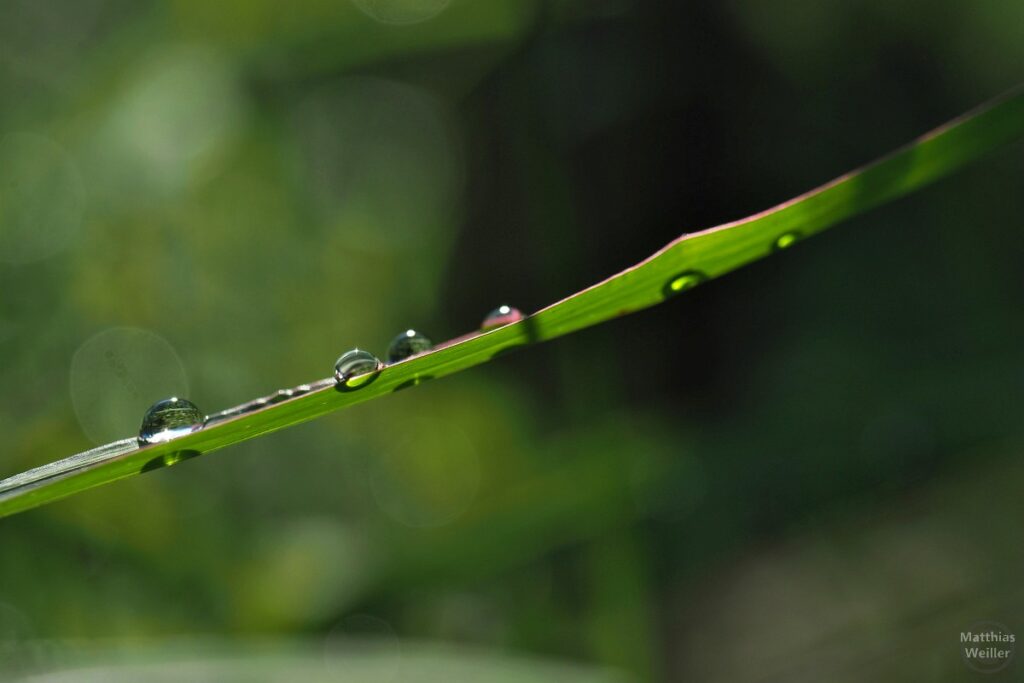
[808,470]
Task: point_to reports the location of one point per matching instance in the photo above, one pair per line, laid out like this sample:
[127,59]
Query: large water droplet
[407,344]
[786,240]
[168,419]
[501,316]
[355,369]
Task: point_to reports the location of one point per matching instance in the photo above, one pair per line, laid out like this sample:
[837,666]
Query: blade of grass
[682,264]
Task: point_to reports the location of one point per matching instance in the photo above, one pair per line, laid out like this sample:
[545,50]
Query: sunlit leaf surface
[681,265]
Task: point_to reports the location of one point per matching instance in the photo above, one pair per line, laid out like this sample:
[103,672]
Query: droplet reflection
[408,344]
[786,240]
[355,369]
[501,316]
[683,282]
[168,419]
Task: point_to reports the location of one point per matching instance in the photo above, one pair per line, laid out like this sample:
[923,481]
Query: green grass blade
[682,264]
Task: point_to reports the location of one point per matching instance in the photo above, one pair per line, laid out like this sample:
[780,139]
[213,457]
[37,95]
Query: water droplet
[224,415]
[168,419]
[407,344]
[281,395]
[786,240]
[684,281]
[355,369]
[255,405]
[501,316]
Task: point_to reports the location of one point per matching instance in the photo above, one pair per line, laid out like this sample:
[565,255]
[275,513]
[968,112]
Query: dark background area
[806,470]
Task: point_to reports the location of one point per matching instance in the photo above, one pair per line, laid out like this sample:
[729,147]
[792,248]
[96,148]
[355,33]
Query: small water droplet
[786,240]
[355,369]
[684,281]
[255,405]
[407,344]
[281,395]
[170,418]
[501,316]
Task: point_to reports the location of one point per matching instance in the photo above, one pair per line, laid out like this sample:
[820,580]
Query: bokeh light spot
[117,374]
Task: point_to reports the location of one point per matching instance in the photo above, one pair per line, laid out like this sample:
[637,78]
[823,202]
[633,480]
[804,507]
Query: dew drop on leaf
[355,369]
[682,282]
[170,418]
[254,405]
[786,240]
[501,316]
[281,395]
[407,344]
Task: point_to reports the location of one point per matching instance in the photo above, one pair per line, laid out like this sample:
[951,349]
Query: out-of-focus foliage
[256,187]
